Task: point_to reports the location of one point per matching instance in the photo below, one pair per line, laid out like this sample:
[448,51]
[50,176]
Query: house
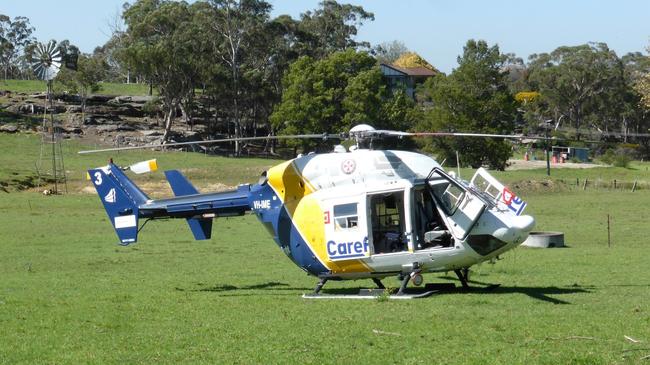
[406,78]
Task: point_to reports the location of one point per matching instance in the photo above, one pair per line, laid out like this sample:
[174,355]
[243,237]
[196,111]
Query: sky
[435,29]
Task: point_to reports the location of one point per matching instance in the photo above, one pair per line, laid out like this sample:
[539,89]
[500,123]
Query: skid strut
[379,284]
[463,276]
[320,285]
[405,277]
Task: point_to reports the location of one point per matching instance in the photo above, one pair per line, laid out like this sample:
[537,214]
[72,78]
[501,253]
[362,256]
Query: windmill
[46,65]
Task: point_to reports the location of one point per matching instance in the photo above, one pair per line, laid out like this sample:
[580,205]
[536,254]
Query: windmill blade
[323,136]
[48,61]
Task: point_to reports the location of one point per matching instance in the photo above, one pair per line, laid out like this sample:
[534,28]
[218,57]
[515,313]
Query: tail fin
[121,198]
[201,227]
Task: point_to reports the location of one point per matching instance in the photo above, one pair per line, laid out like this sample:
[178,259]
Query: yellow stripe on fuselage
[307,215]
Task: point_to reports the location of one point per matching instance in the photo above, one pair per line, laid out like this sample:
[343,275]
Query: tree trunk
[168,122]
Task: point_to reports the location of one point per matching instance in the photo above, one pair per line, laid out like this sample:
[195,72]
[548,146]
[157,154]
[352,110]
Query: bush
[152,108]
[621,160]
[608,157]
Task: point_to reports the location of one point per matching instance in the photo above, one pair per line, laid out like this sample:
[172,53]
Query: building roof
[413,71]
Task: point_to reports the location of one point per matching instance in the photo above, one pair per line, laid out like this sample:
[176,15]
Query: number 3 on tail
[98,178]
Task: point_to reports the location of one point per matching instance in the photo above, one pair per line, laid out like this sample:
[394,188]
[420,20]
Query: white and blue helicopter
[349,214]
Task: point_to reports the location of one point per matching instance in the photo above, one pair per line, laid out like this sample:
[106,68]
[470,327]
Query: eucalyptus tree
[389,52]
[235,26]
[473,98]
[156,45]
[579,83]
[330,28]
[15,37]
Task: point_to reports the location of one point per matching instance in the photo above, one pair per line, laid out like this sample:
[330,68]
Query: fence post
[584,186]
[634,186]
[609,236]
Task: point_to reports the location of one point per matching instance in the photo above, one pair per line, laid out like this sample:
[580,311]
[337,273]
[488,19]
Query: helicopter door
[460,206]
[388,222]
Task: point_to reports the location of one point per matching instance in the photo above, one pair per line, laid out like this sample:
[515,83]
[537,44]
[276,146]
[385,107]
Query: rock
[99,109]
[107,128]
[128,111]
[9,128]
[56,109]
[131,99]
[100,99]
[73,109]
[125,128]
[151,133]
[72,130]
[90,120]
[26,108]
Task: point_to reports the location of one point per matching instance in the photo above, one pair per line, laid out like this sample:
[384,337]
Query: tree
[156,46]
[334,94]
[473,98]
[15,36]
[314,97]
[643,88]
[237,23]
[331,28]
[389,52]
[85,80]
[578,82]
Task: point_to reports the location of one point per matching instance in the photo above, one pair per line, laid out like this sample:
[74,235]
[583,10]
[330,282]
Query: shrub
[621,160]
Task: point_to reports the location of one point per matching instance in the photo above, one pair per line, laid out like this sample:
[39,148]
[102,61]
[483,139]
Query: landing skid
[372,294]
[410,293]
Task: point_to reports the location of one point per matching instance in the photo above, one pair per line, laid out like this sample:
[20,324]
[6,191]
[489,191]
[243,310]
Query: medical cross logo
[348,166]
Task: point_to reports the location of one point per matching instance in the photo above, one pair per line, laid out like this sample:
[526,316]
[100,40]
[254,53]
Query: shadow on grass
[277,288]
[272,285]
[540,293]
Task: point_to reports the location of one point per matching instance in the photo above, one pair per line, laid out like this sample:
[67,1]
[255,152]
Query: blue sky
[436,29]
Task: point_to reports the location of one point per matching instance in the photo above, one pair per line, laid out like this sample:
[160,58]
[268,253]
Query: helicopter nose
[516,230]
[523,223]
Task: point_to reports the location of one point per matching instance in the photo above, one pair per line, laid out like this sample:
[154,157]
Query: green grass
[23,153]
[69,294]
[108,88]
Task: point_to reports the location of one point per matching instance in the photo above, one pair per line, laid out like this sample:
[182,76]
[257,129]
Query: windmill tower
[50,166]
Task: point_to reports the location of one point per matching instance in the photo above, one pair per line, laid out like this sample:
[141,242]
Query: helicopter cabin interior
[390,226]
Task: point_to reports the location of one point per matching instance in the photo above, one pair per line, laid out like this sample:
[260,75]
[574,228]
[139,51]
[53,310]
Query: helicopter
[357,213]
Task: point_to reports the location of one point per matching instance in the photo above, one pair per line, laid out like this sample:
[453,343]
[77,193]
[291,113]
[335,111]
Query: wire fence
[605,184]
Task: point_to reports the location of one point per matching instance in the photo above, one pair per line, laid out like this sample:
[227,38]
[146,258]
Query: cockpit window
[447,194]
[345,216]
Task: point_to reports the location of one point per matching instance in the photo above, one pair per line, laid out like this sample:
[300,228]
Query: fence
[604,184]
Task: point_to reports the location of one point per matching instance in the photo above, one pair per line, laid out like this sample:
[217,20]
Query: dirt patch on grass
[539,164]
[533,186]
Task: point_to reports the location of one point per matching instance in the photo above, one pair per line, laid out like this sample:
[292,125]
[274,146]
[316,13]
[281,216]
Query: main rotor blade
[323,136]
[447,134]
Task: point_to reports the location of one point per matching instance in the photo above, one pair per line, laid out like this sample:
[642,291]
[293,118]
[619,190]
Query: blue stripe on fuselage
[270,210]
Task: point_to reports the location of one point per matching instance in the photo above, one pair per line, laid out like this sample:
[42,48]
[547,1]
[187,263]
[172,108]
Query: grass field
[69,294]
[108,88]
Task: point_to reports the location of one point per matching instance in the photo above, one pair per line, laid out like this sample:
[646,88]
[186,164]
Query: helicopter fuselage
[370,213]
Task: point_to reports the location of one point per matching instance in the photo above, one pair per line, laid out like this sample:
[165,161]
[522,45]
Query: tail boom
[126,204]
